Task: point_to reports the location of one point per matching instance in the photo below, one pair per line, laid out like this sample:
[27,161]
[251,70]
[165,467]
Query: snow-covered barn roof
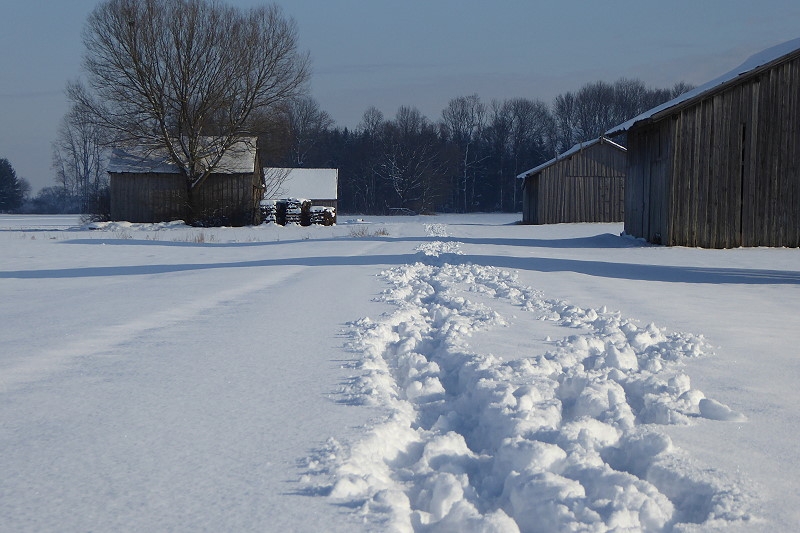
[753,63]
[572,151]
[311,183]
[240,158]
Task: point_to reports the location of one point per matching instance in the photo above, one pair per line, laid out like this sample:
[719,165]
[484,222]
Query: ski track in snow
[568,440]
[105,340]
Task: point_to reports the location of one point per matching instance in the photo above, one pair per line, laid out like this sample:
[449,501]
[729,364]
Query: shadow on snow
[605,269]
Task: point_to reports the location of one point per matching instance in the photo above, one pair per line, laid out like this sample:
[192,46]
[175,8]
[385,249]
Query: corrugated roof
[240,158]
[572,151]
[753,63]
[308,183]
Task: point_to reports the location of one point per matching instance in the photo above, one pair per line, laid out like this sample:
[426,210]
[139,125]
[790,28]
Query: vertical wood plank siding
[587,186]
[147,198]
[723,171]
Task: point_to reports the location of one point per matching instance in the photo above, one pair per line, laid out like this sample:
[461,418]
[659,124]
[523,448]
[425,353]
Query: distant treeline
[466,160]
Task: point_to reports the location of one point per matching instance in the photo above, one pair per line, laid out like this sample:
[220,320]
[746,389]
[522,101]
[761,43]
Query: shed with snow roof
[584,184]
[320,185]
[147,186]
[719,166]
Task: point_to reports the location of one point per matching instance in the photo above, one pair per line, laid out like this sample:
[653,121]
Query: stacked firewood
[324,216]
[268,211]
[293,211]
[296,211]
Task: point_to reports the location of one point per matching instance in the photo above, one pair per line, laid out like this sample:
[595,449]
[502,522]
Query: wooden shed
[584,184]
[719,166]
[147,187]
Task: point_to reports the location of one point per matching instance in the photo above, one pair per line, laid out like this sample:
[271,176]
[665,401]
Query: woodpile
[324,216]
[296,211]
[268,211]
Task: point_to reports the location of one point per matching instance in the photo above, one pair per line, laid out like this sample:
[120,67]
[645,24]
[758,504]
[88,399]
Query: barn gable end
[584,184]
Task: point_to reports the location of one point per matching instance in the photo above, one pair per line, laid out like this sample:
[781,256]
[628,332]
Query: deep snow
[444,373]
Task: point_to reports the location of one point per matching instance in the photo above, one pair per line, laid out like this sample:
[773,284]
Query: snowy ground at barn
[439,373]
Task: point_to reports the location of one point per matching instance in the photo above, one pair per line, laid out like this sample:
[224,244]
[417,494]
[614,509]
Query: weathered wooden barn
[584,184]
[719,167]
[147,187]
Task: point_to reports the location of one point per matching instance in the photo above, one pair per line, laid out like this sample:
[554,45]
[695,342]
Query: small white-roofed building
[319,185]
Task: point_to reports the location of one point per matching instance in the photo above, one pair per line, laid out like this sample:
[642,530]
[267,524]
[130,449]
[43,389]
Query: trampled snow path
[564,440]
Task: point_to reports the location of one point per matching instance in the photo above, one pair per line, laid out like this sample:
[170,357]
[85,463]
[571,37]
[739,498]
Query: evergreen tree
[12,189]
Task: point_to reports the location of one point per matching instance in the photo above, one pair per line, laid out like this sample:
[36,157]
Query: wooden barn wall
[163,197]
[706,185]
[148,198]
[647,197]
[529,195]
[723,172]
[771,189]
[586,187]
[227,198]
[634,185]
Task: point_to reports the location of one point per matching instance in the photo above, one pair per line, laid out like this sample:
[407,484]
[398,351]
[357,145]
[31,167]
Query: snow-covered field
[441,373]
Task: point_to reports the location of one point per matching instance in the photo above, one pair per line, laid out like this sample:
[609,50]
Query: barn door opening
[658,198]
[534,200]
[656,192]
[738,231]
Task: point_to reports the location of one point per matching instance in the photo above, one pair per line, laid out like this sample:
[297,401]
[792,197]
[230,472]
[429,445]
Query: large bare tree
[185,77]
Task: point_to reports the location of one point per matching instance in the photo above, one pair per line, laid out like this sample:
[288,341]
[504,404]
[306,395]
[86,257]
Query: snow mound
[561,441]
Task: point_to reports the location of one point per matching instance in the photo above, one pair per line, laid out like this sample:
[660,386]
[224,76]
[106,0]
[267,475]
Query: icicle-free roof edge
[572,151]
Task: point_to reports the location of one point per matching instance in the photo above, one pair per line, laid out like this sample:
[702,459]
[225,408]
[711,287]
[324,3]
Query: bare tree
[79,159]
[273,180]
[631,97]
[364,183]
[409,161]
[596,107]
[463,120]
[680,88]
[531,138]
[564,117]
[371,121]
[498,138]
[185,76]
[595,110]
[306,124]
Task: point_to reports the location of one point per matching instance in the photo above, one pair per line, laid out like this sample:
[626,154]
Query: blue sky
[419,53]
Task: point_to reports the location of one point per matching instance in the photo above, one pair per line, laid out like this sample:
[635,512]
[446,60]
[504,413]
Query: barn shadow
[599,241]
[604,269]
